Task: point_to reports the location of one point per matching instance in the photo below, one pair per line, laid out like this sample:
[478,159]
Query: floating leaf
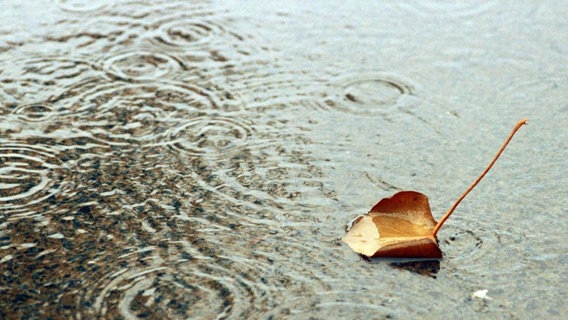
[402,226]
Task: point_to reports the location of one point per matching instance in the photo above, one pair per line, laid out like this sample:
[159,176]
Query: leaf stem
[447,215]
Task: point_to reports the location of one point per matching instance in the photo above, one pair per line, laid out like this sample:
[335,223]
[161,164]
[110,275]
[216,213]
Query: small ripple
[474,249]
[452,9]
[83,6]
[210,136]
[141,65]
[184,30]
[370,94]
[462,243]
[160,9]
[35,112]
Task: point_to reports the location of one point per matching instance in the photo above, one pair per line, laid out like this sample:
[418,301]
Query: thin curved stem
[447,215]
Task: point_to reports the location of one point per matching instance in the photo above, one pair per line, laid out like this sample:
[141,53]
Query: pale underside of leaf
[376,235]
[400,226]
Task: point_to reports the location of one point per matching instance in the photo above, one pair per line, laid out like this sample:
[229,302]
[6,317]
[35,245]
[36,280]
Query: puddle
[173,160]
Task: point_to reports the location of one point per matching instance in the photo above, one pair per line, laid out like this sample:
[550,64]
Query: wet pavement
[201,160]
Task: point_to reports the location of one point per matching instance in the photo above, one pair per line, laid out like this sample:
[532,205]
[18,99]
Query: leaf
[402,226]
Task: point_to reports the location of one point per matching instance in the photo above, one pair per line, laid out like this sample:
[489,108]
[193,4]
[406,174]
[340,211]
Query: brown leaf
[400,226]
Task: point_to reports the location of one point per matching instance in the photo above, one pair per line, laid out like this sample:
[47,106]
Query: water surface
[166,159]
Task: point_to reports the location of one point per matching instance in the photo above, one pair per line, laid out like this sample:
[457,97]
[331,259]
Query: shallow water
[163,159]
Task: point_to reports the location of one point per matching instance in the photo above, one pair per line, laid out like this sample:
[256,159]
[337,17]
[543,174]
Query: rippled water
[166,159]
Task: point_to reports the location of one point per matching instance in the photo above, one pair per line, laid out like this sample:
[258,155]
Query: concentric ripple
[35,112]
[188,289]
[372,94]
[26,177]
[470,248]
[210,136]
[183,31]
[122,112]
[466,242]
[157,290]
[142,65]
